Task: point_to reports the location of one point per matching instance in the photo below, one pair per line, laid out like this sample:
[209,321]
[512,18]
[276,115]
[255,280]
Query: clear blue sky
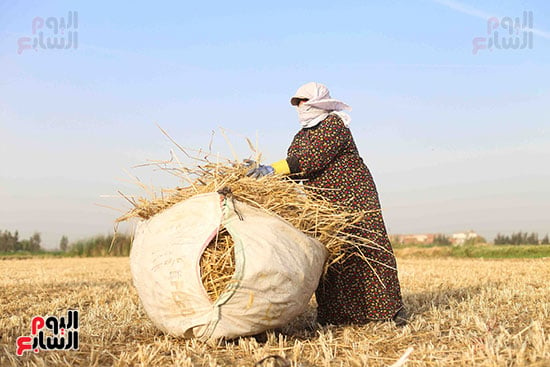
[455,141]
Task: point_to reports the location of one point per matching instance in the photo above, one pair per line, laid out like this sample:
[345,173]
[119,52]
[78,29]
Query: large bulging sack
[277,269]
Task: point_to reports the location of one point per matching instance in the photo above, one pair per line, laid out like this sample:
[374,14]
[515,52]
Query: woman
[324,153]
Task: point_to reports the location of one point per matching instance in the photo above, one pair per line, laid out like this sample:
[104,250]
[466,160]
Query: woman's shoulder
[332,121]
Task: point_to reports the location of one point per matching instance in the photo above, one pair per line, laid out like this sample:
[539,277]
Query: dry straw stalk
[302,206]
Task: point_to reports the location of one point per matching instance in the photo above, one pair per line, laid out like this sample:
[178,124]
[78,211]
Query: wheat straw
[302,206]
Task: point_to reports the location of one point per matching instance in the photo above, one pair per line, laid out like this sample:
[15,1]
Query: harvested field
[465,312]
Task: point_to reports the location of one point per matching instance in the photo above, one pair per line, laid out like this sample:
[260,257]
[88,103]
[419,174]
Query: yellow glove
[281,167]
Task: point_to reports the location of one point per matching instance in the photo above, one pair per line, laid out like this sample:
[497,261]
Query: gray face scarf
[319,105]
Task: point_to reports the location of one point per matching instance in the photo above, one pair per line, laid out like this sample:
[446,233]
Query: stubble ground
[464,312]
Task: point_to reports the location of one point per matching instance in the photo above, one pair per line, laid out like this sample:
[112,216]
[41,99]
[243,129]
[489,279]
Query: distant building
[410,239]
[456,239]
[459,239]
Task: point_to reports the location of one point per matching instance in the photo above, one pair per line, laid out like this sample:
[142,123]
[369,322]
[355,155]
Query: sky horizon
[456,137]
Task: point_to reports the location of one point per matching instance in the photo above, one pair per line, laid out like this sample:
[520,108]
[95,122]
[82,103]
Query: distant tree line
[100,245]
[10,242]
[442,240]
[521,238]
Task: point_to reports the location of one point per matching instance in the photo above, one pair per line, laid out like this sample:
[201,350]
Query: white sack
[277,269]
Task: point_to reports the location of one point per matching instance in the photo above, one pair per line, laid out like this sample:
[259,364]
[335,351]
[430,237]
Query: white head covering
[318,106]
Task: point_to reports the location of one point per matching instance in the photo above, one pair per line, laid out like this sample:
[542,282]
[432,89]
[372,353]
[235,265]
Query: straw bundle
[304,207]
[218,264]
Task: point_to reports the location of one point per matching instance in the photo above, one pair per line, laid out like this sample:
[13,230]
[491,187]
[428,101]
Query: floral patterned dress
[352,291]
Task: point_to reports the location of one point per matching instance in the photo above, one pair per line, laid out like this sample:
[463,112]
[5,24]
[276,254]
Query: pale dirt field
[465,313]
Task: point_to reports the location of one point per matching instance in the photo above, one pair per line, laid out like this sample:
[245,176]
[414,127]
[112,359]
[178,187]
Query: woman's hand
[260,171]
